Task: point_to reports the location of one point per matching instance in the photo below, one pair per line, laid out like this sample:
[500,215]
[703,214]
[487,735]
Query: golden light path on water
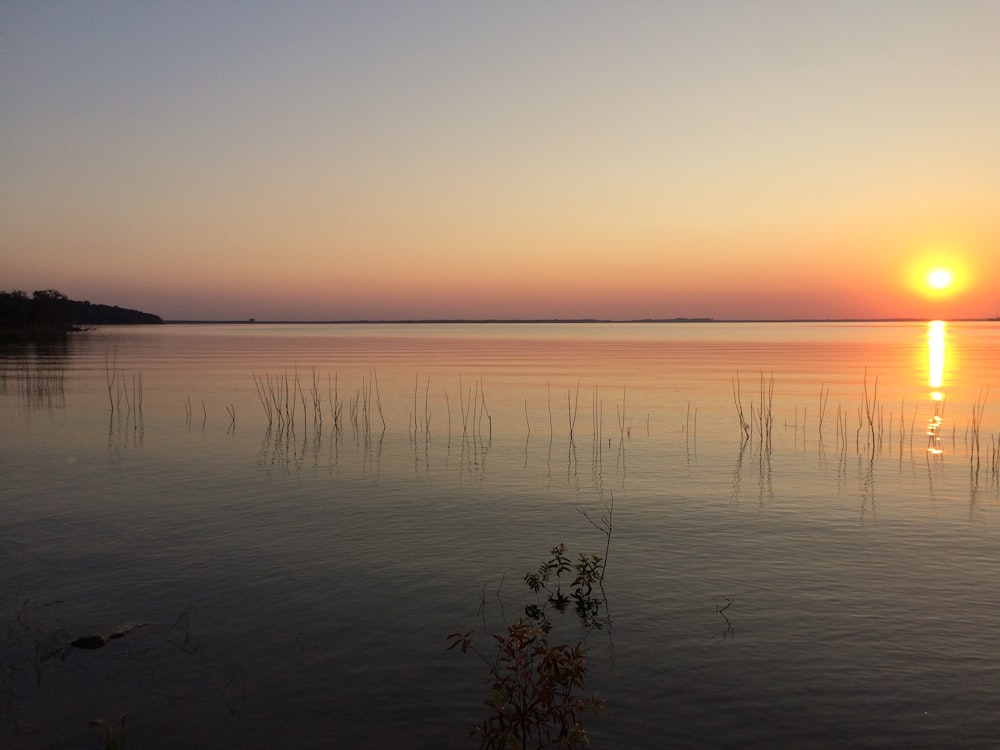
[936,354]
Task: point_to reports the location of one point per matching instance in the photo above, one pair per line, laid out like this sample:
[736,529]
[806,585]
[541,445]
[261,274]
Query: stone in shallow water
[99,640]
[90,641]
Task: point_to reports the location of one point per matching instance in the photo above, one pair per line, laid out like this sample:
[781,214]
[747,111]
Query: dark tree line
[49,313]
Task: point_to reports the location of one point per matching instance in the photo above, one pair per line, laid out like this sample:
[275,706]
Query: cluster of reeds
[189,415]
[994,458]
[690,428]
[284,401]
[473,405]
[760,424]
[416,424]
[39,387]
[872,423]
[189,412]
[976,425]
[124,392]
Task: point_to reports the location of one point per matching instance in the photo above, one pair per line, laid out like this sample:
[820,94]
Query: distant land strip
[515,321]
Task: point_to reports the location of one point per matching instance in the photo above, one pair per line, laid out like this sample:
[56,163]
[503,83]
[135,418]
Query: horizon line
[506,321]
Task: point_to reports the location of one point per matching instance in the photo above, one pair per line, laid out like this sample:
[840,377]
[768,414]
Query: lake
[284,523]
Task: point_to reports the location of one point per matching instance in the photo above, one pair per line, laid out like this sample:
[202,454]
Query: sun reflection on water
[936,358]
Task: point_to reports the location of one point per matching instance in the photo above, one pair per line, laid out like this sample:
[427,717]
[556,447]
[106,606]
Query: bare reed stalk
[317,399]
[378,400]
[427,408]
[621,418]
[605,525]
[526,422]
[484,410]
[594,417]
[110,373]
[549,386]
[824,398]
[571,409]
[461,399]
[737,399]
[413,417]
[279,394]
[765,417]
[977,422]
[138,392]
[265,401]
[302,399]
[475,410]
[447,404]
[289,418]
[366,400]
[336,402]
[881,424]
[870,404]
[353,406]
[123,390]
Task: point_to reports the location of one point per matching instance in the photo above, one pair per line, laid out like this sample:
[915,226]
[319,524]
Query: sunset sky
[388,160]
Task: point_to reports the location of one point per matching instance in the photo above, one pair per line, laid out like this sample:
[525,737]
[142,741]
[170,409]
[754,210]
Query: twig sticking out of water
[738,400]
[549,386]
[110,373]
[869,403]
[824,397]
[461,403]
[605,525]
[621,419]
[378,399]
[571,409]
[483,410]
[977,422]
[317,400]
[336,402]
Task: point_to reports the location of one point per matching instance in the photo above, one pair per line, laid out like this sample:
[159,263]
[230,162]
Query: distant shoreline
[496,321]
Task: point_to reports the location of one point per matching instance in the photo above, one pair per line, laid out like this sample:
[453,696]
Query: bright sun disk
[939,278]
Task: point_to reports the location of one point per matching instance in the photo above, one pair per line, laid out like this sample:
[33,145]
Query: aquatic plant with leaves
[537,693]
[587,572]
[536,690]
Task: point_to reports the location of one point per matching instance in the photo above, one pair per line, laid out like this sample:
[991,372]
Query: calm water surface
[296,571]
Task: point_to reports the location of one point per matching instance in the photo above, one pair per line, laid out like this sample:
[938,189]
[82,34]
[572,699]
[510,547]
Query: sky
[758,159]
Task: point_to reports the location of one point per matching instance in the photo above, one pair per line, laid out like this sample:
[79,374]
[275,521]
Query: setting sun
[939,274]
[940,278]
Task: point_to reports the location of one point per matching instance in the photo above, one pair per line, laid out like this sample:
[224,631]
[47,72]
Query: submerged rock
[100,640]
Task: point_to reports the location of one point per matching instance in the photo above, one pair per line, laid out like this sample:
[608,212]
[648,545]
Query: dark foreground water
[823,581]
